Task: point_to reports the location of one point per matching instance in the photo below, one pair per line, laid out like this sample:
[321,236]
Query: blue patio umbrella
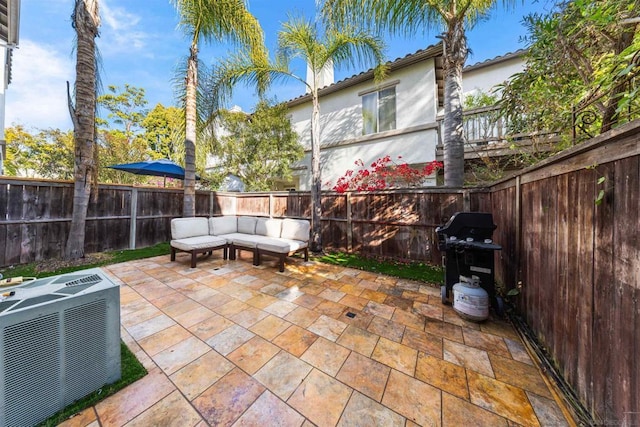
[163,167]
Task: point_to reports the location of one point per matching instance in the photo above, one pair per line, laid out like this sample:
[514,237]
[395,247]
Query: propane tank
[470,301]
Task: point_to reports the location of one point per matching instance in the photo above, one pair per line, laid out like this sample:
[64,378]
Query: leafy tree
[120,138]
[409,17]
[126,109]
[85,21]
[479,100]
[19,162]
[583,58]
[47,154]
[164,133]
[259,148]
[114,148]
[209,21]
[302,39]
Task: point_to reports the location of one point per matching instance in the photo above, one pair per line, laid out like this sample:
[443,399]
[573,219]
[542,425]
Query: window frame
[383,102]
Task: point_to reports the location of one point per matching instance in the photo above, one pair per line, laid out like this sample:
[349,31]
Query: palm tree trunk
[316,182]
[86,21]
[190,134]
[454,56]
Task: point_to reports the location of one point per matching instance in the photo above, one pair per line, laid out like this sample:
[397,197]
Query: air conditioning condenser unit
[59,341]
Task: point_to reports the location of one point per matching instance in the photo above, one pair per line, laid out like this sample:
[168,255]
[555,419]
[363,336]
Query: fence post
[518,221]
[466,201]
[349,228]
[134,218]
[270,205]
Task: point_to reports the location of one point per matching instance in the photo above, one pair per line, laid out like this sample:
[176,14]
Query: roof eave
[496,60]
[10,22]
[14,23]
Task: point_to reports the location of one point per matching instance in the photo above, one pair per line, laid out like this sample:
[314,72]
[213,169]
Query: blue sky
[141,45]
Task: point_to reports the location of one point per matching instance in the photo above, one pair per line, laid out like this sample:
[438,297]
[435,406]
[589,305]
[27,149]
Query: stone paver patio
[228,343]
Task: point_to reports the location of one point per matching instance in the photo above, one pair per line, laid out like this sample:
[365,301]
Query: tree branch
[72,110]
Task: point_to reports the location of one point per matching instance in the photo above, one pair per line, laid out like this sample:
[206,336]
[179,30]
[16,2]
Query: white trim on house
[379,87]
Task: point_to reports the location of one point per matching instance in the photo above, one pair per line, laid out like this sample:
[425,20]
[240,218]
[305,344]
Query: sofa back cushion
[247,224]
[269,227]
[295,229]
[181,228]
[219,225]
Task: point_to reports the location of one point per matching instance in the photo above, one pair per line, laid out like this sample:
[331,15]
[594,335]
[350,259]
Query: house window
[379,111]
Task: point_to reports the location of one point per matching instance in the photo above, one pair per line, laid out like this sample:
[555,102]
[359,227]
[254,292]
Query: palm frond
[406,17]
[353,48]
[220,20]
[241,68]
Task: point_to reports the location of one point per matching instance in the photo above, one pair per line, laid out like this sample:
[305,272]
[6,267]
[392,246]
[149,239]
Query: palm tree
[300,39]
[86,21]
[410,16]
[209,20]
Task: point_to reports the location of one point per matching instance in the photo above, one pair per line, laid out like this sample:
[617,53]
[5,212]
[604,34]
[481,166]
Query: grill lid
[468,230]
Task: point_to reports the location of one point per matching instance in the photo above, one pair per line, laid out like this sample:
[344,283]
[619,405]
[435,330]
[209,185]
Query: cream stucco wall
[484,79]
[414,138]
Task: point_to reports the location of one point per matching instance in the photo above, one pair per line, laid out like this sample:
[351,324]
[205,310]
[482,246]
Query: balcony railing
[486,134]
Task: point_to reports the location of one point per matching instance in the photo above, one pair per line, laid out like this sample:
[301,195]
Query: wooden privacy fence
[569,230]
[389,224]
[35,217]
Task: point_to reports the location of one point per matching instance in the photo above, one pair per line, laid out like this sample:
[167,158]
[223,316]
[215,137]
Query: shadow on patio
[229,342]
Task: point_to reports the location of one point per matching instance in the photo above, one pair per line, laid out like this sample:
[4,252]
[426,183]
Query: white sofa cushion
[198,242]
[281,246]
[223,225]
[295,229]
[231,236]
[182,228]
[248,240]
[247,224]
[269,227]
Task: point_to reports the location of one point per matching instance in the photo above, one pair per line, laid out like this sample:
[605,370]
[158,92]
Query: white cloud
[120,30]
[37,95]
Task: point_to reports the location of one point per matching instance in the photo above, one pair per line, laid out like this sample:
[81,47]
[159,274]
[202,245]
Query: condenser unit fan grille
[30,378]
[81,325]
[71,280]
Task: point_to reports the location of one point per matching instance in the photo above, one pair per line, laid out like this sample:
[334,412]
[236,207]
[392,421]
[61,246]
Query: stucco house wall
[417,79]
[483,77]
[414,138]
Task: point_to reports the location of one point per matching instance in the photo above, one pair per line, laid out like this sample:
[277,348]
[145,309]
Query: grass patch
[405,270]
[132,370]
[56,266]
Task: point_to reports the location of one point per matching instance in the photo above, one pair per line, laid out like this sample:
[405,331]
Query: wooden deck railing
[486,134]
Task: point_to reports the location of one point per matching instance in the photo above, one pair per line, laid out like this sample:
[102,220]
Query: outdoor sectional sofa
[261,236]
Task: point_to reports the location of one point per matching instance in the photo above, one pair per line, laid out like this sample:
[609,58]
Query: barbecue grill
[468,250]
